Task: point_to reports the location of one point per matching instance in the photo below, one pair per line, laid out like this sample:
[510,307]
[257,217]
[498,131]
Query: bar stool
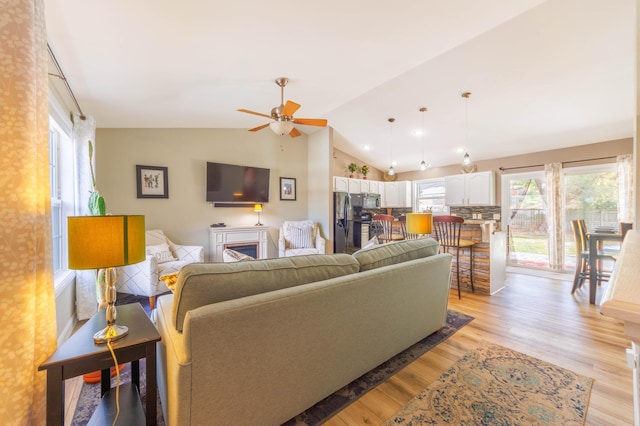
[383,224]
[448,229]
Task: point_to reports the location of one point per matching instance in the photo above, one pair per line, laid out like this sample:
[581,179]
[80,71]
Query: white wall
[185,216]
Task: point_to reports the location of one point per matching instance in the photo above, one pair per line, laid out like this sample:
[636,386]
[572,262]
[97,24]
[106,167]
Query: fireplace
[249,240]
[250,249]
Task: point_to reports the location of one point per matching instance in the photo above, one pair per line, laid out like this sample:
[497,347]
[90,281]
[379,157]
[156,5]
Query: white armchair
[298,238]
[163,257]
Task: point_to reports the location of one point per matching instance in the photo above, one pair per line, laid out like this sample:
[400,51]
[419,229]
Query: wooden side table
[79,355]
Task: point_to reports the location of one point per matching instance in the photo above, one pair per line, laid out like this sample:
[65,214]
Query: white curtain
[27,304]
[626,194]
[84,130]
[555,209]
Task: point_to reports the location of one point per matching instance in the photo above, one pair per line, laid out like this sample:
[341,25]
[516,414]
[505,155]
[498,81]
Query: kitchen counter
[489,256]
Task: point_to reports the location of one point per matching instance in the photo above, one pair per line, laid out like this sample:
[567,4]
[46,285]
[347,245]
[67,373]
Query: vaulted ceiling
[543,74]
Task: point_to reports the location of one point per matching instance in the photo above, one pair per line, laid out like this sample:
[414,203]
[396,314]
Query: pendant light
[467,164]
[391,170]
[423,164]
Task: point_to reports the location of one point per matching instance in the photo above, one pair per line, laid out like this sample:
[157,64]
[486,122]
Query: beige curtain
[27,304]
[626,194]
[555,209]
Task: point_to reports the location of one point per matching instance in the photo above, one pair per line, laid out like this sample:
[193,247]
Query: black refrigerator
[342,222]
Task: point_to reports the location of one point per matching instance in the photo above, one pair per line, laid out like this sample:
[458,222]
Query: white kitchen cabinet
[340,184]
[397,194]
[471,189]
[354,186]
[374,187]
[365,186]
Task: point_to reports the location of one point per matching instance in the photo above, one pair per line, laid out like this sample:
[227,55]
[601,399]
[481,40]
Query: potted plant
[352,169]
[364,170]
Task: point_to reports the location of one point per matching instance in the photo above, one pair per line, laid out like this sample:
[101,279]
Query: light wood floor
[534,315]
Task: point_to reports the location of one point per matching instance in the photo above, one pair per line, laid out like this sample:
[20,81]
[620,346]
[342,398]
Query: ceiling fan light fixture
[281,128]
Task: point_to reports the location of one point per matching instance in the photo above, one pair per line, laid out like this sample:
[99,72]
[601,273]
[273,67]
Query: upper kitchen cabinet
[397,194]
[472,189]
[340,184]
[355,186]
[376,187]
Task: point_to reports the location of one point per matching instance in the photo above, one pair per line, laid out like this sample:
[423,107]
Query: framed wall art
[153,182]
[287,189]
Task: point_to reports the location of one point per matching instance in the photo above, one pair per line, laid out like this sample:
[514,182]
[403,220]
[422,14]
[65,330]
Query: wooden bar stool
[448,230]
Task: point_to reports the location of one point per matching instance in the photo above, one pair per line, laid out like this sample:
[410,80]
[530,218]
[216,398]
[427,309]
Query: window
[429,195]
[61,172]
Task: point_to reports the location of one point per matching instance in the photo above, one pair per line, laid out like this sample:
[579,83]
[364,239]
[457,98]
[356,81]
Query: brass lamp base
[110,333]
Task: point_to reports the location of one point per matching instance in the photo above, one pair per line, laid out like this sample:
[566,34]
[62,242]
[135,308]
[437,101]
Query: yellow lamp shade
[419,223]
[105,241]
[257,208]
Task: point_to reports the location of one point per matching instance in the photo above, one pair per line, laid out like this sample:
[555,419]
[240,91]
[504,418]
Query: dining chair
[581,274]
[383,227]
[448,230]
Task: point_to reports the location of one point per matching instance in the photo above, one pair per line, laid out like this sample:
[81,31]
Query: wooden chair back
[383,226]
[448,230]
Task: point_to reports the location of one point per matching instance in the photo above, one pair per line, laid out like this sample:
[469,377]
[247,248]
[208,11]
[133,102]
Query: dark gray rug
[323,410]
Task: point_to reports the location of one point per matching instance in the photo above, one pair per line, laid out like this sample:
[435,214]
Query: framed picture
[288,189]
[153,182]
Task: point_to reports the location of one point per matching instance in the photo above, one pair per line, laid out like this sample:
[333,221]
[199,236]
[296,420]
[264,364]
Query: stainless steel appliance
[371,201]
[342,222]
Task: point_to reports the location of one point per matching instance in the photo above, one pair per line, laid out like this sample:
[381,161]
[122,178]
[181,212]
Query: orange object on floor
[94,376]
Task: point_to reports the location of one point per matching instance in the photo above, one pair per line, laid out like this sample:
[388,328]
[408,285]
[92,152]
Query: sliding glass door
[524,216]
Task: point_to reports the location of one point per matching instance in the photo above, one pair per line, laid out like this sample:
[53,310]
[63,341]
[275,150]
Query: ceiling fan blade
[255,129]
[294,133]
[290,108]
[254,113]
[311,121]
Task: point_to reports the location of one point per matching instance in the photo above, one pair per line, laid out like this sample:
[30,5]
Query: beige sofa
[258,342]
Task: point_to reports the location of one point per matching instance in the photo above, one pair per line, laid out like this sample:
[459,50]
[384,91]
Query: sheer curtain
[626,195]
[27,304]
[555,209]
[84,130]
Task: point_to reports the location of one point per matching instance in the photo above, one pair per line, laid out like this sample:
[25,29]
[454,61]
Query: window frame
[417,198]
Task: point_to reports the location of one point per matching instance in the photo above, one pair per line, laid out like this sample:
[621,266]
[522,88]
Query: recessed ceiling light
[366,148]
[459,150]
[418,132]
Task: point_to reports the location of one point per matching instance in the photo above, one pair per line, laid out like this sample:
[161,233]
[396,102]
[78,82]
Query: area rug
[494,385]
[339,400]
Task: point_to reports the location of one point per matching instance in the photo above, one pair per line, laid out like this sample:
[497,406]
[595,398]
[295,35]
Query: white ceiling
[543,74]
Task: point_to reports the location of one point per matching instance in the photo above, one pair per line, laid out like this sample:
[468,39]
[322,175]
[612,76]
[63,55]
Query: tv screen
[230,183]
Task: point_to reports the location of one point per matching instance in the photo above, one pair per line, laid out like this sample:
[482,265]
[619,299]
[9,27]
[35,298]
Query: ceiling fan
[283,116]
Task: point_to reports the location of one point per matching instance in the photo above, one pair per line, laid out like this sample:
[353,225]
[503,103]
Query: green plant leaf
[97,205]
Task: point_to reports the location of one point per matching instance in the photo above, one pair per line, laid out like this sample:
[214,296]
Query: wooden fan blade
[254,113]
[290,108]
[311,121]
[255,129]
[294,133]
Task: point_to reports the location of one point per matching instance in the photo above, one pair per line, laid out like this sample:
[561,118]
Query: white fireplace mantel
[221,238]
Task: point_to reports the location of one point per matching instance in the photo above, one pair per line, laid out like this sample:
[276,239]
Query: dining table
[595,239]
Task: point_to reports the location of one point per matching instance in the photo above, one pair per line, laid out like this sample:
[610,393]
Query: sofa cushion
[395,252]
[202,284]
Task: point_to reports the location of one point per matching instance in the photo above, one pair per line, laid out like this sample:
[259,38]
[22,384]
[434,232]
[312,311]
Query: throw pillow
[301,237]
[229,255]
[161,252]
[170,280]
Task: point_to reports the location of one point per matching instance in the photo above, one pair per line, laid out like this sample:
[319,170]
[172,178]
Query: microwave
[371,201]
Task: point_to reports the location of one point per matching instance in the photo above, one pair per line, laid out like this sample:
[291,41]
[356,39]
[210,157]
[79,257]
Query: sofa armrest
[189,253]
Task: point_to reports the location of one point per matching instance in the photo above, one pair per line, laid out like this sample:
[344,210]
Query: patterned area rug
[329,406]
[494,385]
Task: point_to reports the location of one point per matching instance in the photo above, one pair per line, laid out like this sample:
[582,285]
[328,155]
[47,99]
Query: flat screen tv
[229,183]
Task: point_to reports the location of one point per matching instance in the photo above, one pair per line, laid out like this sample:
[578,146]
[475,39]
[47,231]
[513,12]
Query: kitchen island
[489,257]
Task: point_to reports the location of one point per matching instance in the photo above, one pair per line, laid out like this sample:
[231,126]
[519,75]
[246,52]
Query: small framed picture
[288,189]
[153,182]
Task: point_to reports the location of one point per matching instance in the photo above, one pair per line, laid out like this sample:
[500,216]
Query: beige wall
[583,152]
[185,216]
[341,160]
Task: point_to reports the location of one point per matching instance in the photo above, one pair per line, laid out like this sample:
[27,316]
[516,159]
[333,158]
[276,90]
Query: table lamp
[419,223]
[258,208]
[105,242]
